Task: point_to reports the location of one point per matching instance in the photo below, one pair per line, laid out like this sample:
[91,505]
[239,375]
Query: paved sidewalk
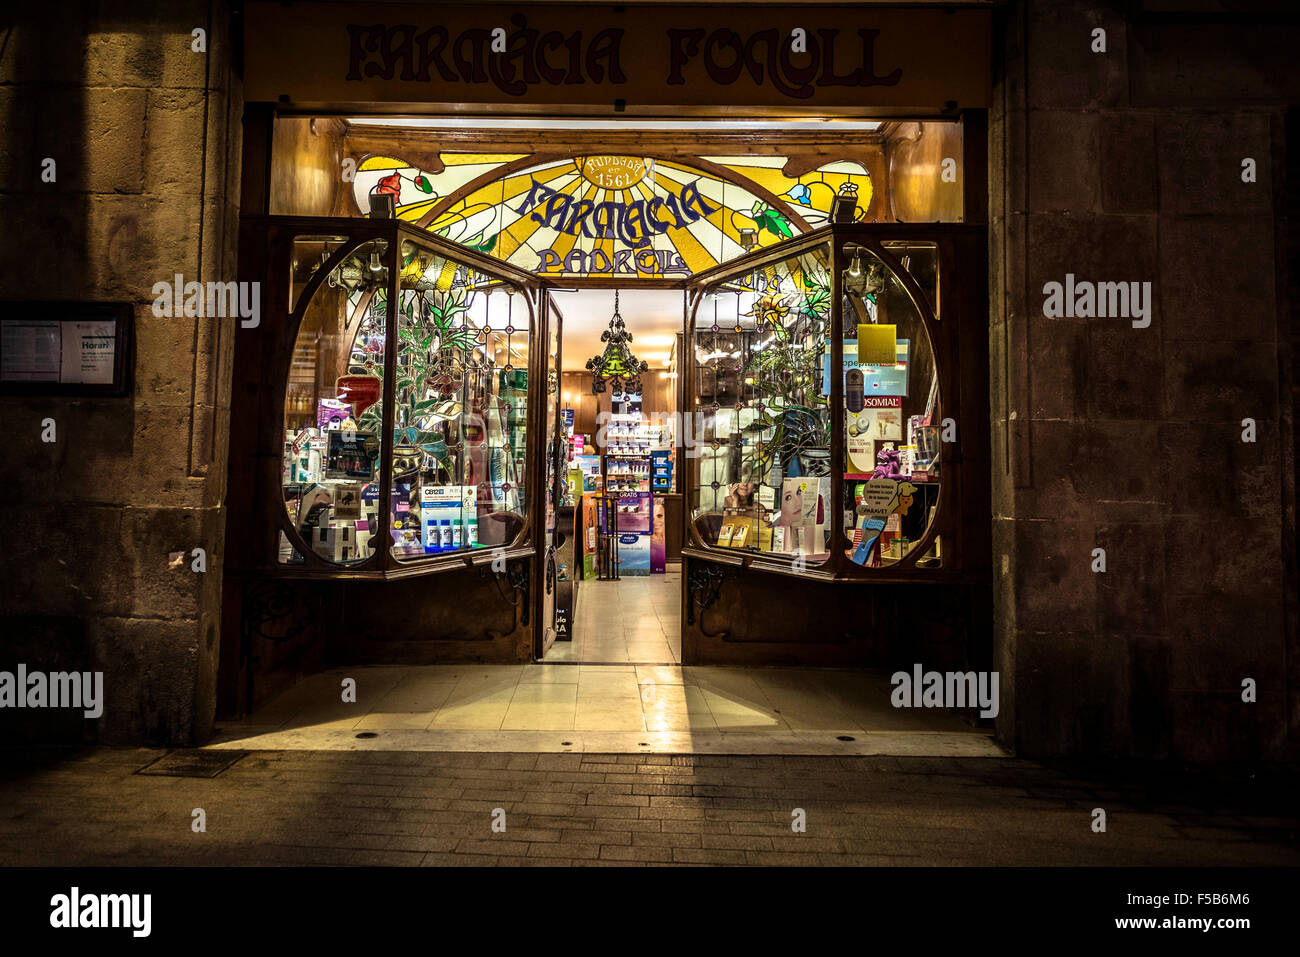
[380,808]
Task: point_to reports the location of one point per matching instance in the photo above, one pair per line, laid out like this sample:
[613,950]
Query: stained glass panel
[611,214]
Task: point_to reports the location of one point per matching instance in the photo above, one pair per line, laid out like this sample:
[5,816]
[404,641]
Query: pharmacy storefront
[440,449]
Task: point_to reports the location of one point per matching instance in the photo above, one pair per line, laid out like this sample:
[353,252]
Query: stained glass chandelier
[616,365]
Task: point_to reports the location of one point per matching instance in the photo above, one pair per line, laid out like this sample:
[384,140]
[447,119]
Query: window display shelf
[821,377]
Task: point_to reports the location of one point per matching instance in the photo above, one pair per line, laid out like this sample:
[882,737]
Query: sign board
[548,56]
[65,348]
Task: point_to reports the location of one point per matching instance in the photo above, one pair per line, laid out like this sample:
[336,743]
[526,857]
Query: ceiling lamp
[616,365]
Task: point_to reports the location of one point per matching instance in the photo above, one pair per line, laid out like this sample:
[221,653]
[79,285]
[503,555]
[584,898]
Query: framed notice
[66,348]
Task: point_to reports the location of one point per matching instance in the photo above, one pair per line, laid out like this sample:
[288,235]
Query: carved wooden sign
[645,56]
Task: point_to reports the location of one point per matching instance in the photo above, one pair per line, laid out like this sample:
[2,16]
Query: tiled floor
[615,707]
[636,619]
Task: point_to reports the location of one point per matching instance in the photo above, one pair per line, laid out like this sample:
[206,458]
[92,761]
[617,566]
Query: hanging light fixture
[616,364]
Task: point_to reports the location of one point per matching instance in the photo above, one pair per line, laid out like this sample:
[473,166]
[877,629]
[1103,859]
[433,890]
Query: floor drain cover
[368,734]
[193,763]
[845,737]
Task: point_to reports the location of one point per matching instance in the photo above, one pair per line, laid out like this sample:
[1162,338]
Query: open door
[551,536]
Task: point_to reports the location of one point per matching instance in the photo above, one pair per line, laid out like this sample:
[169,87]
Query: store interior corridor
[632,620]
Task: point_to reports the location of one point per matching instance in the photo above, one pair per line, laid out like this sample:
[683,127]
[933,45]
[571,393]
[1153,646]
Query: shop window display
[460,418]
[805,470]
[892,423]
[333,402]
[761,466]
[457,449]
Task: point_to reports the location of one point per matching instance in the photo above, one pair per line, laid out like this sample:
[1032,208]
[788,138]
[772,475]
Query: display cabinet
[836,380]
[402,372]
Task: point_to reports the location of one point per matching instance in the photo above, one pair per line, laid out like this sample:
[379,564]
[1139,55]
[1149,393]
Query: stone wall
[1127,166]
[145,133]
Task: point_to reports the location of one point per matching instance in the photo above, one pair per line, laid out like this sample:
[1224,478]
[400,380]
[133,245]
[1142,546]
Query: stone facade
[145,133]
[1126,165]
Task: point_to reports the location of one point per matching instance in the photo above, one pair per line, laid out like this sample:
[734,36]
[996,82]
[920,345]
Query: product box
[330,413]
[633,554]
[405,523]
[334,540]
[306,453]
[744,527]
[362,534]
[877,379]
[805,504]
[369,521]
[457,505]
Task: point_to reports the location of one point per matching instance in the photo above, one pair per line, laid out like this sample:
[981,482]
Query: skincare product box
[805,504]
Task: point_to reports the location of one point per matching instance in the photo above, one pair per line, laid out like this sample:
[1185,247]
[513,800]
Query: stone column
[144,132]
[1126,165]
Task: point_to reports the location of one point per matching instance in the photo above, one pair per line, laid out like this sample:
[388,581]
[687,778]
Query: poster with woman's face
[740,495]
[791,505]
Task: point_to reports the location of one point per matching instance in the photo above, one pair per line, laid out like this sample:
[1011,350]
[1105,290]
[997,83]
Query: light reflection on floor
[612,707]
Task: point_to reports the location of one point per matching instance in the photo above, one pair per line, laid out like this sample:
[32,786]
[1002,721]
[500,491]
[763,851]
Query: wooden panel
[747,617]
[650,59]
[673,526]
[307,168]
[577,385]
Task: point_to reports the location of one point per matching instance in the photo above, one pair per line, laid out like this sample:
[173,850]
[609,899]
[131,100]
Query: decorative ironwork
[272,600]
[616,365]
[704,585]
[516,578]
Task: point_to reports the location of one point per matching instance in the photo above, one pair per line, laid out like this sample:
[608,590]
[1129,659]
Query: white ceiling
[652,316]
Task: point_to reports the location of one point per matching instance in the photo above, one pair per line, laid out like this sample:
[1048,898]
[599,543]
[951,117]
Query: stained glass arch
[612,215]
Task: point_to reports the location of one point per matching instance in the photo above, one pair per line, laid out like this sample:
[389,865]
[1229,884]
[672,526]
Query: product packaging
[804,506]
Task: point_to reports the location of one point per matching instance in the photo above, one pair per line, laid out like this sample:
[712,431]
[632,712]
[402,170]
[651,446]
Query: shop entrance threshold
[611,709]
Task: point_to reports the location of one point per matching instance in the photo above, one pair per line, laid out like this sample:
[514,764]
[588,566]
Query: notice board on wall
[65,348]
